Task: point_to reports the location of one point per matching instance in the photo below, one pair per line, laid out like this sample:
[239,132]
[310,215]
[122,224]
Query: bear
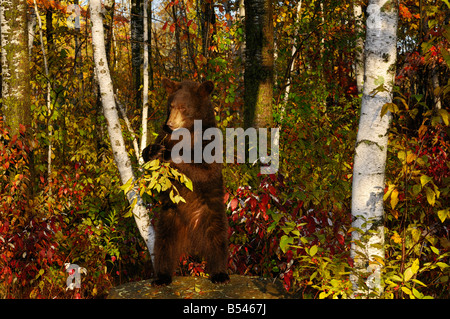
[200,225]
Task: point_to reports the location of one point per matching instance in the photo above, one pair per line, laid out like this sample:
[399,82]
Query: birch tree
[292,62]
[380,52]
[120,154]
[145,83]
[359,56]
[16,89]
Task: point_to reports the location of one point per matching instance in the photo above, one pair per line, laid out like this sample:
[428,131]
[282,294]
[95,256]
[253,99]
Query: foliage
[417,198]
[294,225]
[163,178]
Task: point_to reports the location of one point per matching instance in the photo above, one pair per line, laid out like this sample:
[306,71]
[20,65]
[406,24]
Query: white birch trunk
[359,55]
[291,70]
[121,157]
[371,149]
[31,31]
[435,81]
[145,86]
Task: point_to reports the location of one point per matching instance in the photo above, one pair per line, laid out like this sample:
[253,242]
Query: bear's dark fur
[200,225]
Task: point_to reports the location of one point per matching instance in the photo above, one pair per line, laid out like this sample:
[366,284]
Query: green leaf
[313,250]
[417,294]
[416,189]
[127,186]
[407,275]
[415,266]
[396,278]
[418,282]
[424,179]
[442,265]
[284,242]
[435,250]
[406,290]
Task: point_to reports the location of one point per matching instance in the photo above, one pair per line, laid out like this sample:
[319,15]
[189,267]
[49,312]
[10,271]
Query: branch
[130,129]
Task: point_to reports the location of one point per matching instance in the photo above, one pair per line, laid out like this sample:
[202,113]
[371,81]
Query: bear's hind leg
[167,249]
[216,255]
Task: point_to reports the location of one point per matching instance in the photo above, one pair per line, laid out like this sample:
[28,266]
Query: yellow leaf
[396,238]
[394,198]
[424,179]
[422,130]
[431,196]
[411,157]
[444,114]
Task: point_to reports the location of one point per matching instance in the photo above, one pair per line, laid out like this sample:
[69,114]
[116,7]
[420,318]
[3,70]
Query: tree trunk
[120,154]
[16,89]
[367,248]
[208,20]
[292,61]
[145,88]
[178,63]
[48,94]
[109,25]
[136,47]
[359,54]
[258,76]
[31,31]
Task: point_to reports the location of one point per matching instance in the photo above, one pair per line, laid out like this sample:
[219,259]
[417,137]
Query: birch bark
[120,154]
[16,88]
[291,68]
[359,56]
[145,85]
[367,248]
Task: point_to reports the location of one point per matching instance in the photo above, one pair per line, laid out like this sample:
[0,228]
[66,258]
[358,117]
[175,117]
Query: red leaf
[233,204]
[226,197]
[272,190]
[172,28]
[253,203]
[22,129]
[340,239]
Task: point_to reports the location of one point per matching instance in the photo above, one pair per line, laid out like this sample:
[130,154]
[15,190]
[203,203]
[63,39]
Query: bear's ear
[170,86]
[205,88]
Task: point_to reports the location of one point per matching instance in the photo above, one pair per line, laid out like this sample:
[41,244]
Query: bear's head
[188,101]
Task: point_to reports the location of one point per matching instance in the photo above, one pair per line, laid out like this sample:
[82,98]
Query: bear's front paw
[220,278]
[162,280]
[154,151]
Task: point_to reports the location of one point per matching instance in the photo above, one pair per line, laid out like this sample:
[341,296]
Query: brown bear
[199,226]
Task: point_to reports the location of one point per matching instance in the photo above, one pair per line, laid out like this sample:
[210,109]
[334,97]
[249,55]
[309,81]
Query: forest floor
[239,287]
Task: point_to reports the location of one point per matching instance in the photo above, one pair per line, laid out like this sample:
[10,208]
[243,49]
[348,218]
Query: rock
[240,287]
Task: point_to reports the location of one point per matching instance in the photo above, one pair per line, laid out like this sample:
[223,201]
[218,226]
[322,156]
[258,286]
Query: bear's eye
[180,107]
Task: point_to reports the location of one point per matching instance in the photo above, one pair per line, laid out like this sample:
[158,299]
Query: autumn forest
[359,206]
